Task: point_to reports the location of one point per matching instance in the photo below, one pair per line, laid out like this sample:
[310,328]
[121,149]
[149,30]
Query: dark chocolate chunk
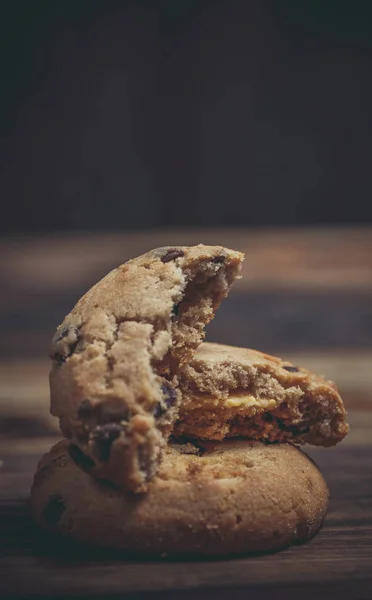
[108,431]
[169,398]
[291,369]
[169,393]
[175,310]
[58,357]
[297,429]
[103,412]
[85,409]
[66,331]
[54,509]
[104,435]
[281,425]
[112,411]
[63,350]
[293,429]
[159,410]
[218,260]
[80,458]
[268,417]
[172,254]
[110,414]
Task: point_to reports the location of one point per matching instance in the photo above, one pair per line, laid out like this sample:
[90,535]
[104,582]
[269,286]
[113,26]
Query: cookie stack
[174,446]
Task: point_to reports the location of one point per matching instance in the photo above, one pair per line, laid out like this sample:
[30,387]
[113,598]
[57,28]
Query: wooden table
[305,295]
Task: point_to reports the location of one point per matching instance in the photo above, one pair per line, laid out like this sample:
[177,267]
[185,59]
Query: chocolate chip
[298,430]
[54,509]
[159,410]
[218,260]
[172,254]
[104,435]
[63,348]
[175,310]
[85,409]
[268,417]
[291,369]
[80,458]
[65,332]
[169,393]
[281,425]
[169,398]
[111,414]
[293,429]
[108,412]
[108,431]
[58,357]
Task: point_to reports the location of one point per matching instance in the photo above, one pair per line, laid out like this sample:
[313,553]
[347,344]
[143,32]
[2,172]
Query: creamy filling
[238,399]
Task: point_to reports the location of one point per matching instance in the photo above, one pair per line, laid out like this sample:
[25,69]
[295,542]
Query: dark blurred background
[132,124]
[147,113]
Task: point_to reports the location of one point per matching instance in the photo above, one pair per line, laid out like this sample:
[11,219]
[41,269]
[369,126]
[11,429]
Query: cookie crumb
[189,448]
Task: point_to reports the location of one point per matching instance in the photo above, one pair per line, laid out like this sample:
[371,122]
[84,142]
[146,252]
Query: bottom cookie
[225,498]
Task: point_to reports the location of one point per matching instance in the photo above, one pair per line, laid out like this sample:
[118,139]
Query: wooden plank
[342,551]
[306,295]
[300,288]
[337,257]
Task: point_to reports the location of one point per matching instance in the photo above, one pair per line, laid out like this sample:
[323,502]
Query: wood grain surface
[305,295]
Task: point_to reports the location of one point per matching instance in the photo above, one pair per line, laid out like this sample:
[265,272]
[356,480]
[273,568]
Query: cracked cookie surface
[213,499]
[229,392]
[116,356]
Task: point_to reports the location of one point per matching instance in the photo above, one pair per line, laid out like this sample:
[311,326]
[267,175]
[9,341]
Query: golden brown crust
[229,498]
[115,356]
[230,391]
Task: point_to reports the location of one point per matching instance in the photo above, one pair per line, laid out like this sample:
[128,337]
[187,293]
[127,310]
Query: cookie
[214,499]
[116,356]
[230,392]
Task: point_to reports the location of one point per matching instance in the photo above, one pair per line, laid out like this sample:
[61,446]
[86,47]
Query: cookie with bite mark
[116,356]
[230,392]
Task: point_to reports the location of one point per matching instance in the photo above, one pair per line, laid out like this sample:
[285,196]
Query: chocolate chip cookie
[230,392]
[211,499]
[116,356]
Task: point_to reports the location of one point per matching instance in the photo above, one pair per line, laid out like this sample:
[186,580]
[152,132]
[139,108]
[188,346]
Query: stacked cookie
[173,445]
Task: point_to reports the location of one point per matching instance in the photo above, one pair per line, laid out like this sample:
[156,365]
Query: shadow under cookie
[216,499]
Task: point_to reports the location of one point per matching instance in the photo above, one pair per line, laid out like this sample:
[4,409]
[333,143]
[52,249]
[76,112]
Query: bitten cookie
[116,355]
[230,392]
[225,498]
